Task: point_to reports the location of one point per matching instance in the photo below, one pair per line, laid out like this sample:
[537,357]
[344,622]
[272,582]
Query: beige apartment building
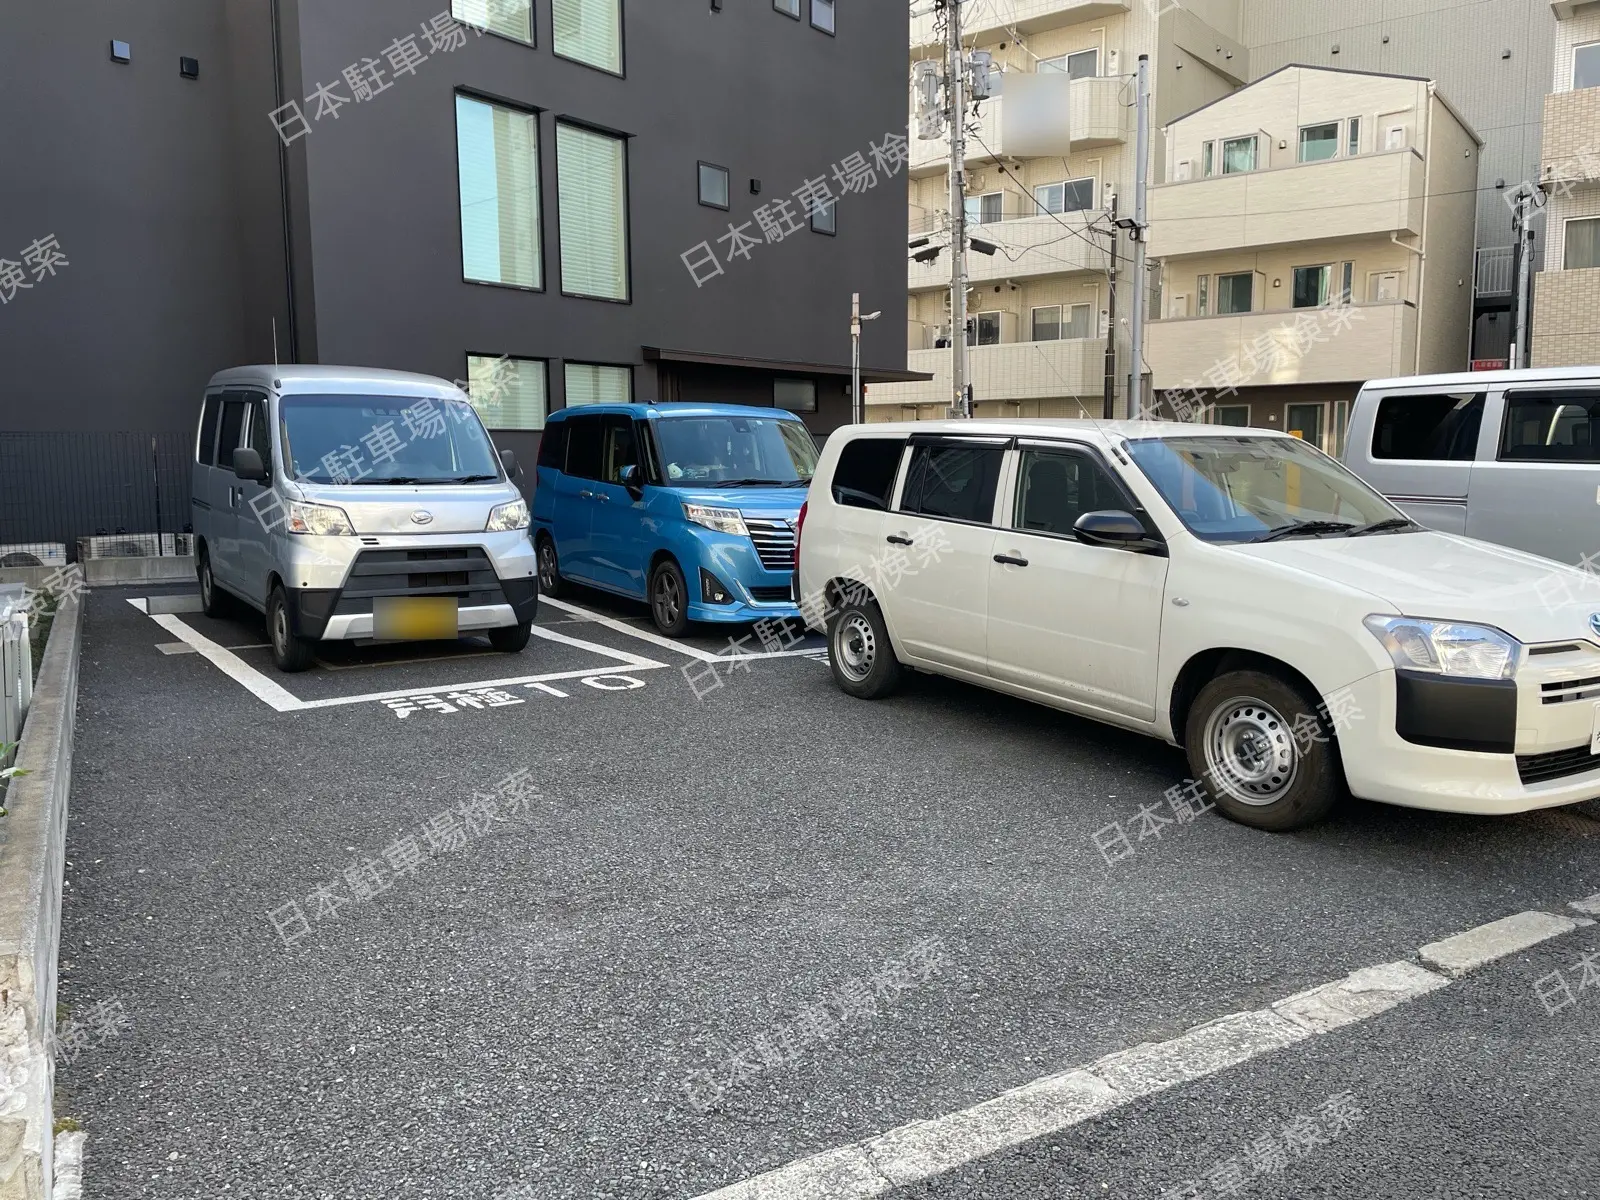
[1566,308]
[1315,231]
[1492,58]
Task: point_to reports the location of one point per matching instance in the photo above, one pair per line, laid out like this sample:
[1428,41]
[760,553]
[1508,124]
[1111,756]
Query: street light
[858,414]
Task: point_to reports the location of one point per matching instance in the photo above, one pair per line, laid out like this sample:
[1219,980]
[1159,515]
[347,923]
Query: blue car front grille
[774,541]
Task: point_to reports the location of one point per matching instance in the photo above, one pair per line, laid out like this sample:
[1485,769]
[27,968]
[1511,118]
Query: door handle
[1011,560]
[896,540]
[602,497]
[586,495]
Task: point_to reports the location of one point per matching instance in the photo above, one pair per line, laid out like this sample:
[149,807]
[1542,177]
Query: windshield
[368,440]
[735,451]
[1240,489]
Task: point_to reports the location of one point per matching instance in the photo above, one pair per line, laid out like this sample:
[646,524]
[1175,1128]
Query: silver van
[1506,456]
[346,503]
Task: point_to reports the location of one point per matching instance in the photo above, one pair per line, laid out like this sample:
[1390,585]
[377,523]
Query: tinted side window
[258,431]
[1437,428]
[1552,427]
[232,427]
[206,451]
[864,475]
[583,446]
[955,480]
[553,446]
[621,449]
[1054,489]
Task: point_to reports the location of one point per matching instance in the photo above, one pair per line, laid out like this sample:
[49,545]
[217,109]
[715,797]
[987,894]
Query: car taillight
[799,526]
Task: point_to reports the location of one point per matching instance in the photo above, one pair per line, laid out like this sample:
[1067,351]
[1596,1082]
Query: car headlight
[723,520]
[1447,647]
[505,517]
[319,520]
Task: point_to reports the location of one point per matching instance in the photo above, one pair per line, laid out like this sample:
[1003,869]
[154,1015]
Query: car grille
[774,543]
[461,571]
[1556,764]
[1563,690]
[770,595]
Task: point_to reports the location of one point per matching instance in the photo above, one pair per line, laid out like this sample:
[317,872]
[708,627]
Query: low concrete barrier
[32,857]
[108,572]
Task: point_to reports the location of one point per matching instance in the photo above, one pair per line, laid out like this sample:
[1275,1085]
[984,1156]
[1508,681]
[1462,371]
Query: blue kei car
[689,507]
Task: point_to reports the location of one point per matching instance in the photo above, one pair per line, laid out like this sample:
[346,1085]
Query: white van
[1507,456]
[1233,591]
[346,503]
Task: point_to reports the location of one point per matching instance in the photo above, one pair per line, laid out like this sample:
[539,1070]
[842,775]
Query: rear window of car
[954,480]
[1437,427]
[864,476]
[553,446]
[1551,427]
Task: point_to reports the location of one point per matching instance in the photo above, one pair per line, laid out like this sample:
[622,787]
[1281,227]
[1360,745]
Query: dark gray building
[528,196]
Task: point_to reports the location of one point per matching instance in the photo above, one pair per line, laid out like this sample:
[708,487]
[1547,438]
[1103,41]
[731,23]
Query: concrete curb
[32,859]
[109,572]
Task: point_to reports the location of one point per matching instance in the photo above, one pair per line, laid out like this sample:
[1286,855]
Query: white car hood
[1439,575]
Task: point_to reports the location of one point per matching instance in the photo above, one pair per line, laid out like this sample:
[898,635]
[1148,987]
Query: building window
[796,395]
[1235,293]
[1586,66]
[1047,323]
[822,15]
[1202,296]
[986,209]
[1583,244]
[592,186]
[714,186]
[1208,157]
[1353,144]
[1085,64]
[509,393]
[508,18]
[789,8]
[1070,195]
[497,151]
[1237,415]
[986,330]
[1347,283]
[1058,322]
[1318,142]
[825,218]
[589,32]
[589,383]
[1311,286]
[1239,154]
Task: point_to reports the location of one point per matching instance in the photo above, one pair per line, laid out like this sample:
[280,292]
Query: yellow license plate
[415,618]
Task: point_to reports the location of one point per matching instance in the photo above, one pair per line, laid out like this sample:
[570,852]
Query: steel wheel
[855,646]
[280,629]
[1250,751]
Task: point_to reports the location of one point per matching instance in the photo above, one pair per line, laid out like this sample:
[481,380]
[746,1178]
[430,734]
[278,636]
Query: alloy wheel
[668,598]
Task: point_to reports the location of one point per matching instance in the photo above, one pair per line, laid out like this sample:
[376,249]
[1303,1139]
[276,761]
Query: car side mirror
[508,460]
[628,477]
[247,464]
[1113,527]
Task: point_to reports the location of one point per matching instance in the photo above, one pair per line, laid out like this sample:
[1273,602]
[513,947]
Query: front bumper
[492,580]
[1382,763]
[756,591]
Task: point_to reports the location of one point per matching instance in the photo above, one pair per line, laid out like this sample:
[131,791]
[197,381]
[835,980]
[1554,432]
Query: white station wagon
[1234,592]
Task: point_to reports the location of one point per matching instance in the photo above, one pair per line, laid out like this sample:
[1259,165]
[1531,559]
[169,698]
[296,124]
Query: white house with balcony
[1315,230]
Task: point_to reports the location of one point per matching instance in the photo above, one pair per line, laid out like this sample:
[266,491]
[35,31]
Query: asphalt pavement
[594,927]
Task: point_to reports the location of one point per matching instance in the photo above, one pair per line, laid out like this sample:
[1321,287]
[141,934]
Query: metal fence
[127,488]
[16,671]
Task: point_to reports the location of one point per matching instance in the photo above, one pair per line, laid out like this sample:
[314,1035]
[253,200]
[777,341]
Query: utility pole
[1141,187]
[955,91]
[1108,409]
[1526,198]
[858,410]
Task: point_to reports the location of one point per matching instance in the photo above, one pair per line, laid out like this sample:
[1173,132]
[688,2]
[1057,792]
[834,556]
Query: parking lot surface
[620,918]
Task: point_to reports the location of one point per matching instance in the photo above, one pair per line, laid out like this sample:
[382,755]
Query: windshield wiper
[372,481]
[749,483]
[1296,528]
[471,479]
[1386,523]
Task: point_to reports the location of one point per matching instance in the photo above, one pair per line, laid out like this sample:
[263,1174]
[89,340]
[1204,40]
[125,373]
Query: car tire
[213,603]
[860,654]
[290,654]
[1262,750]
[511,639]
[669,598]
[550,582]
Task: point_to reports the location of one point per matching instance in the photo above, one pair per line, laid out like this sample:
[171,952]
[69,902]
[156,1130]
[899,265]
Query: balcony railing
[1024,249]
[1495,271]
[1343,344]
[984,22]
[1013,371]
[1340,197]
[1096,117]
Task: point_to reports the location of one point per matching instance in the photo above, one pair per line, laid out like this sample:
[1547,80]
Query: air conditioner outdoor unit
[33,554]
[1181,171]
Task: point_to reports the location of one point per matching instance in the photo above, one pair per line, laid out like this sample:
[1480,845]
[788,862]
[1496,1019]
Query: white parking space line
[923,1150]
[666,643]
[272,693]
